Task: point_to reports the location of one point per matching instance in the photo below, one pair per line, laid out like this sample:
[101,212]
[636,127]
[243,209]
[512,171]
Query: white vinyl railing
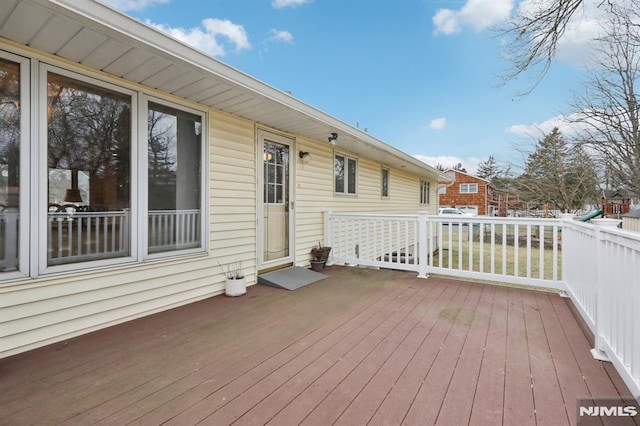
[9,222]
[375,240]
[173,230]
[513,250]
[596,265]
[519,251]
[603,281]
[83,236]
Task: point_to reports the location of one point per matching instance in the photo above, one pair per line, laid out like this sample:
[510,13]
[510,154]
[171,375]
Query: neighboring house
[468,193]
[616,202]
[134,167]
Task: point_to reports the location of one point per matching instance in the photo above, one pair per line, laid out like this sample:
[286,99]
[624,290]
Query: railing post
[328,233]
[603,312]
[423,245]
[564,218]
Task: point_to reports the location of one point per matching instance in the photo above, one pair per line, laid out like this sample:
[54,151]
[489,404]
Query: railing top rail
[374,215]
[622,237]
[497,220]
[88,214]
[578,224]
[174,211]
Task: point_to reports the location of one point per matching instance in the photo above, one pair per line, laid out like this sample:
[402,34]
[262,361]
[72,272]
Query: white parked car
[453,212]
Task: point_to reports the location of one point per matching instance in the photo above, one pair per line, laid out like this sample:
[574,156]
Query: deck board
[360,347]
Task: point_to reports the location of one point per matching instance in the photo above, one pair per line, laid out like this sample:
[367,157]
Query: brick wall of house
[454,198]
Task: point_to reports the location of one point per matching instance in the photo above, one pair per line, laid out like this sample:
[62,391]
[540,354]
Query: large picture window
[100,200]
[10,138]
[174,153]
[88,155]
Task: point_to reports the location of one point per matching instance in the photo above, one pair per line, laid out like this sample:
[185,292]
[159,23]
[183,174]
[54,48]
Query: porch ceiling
[98,37]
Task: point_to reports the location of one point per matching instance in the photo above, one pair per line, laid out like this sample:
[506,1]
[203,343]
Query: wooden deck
[361,347]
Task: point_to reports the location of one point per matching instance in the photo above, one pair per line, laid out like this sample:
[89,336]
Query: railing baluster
[529,251]
[504,248]
[470,238]
[481,241]
[555,254]
[516,250]
[493,248]
[541,249]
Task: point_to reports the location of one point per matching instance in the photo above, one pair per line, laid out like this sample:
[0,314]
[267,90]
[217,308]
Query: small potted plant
[236,283]
[319,256]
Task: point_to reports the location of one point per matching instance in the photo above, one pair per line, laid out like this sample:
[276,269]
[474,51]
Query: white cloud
[281,36]
[538,130]
[470,163]
[438,123]
[128,5]
[207,37]
[477,14]
[279,4]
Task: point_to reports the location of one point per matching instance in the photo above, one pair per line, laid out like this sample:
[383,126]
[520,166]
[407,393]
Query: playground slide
[592,216]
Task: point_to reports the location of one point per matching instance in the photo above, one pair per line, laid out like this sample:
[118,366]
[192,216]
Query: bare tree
[608,109]
[534,33]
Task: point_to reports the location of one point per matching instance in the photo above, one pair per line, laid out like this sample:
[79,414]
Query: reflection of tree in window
[9,133]
[89,130]
[162,159]
[174,178]
[352,176]
[173,158]
[9,164]
[339,173]
[276,165]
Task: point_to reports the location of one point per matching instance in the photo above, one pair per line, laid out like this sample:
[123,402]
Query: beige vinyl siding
[233,197]
[315,195]
[49,309]
[53,309]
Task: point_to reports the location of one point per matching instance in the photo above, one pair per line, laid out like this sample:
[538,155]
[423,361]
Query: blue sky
[421,75]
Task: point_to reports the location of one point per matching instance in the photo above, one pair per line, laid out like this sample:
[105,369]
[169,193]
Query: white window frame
[41,189]
[442,189]
[26,170]
[469,188]
[425,189]
[143,174]
[346,175]
[385,178]
[33,260]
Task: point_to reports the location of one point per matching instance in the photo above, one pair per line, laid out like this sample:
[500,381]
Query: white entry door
[275,218]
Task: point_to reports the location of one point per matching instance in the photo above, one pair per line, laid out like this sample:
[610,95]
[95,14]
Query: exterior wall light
[304,156]
[333,139]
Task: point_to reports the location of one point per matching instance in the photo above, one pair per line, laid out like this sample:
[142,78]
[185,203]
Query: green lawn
[505,259]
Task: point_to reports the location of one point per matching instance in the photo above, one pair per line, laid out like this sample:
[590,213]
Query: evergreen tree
[558,174]
[488,169]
